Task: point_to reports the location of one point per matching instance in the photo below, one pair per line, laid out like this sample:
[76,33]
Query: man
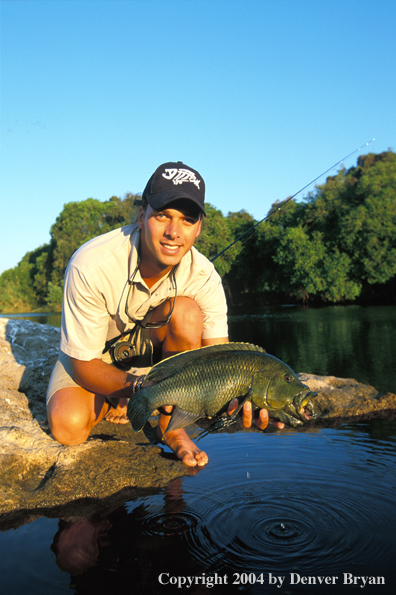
[120,304]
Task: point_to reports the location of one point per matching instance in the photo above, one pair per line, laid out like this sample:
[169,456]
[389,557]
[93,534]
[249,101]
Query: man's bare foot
[118,415]
[178,441]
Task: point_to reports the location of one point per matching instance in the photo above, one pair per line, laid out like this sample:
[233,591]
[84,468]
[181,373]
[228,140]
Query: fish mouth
[304,407]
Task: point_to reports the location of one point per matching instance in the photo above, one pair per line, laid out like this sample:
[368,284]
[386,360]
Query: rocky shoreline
[38,474]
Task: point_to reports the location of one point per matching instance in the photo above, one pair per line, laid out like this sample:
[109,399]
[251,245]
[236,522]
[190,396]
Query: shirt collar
[134,254]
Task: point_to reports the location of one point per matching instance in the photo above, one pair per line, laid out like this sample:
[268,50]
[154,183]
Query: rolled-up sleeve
[84,317]
[212,301]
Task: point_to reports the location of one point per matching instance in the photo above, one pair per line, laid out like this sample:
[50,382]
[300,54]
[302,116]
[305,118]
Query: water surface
[292,504]
[346,341]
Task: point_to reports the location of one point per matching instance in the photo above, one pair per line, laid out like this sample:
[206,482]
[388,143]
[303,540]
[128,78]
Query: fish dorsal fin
[168,367]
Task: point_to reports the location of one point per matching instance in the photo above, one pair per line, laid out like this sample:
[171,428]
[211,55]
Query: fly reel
[122,354]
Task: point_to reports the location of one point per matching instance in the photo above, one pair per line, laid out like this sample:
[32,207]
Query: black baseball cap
[172,181]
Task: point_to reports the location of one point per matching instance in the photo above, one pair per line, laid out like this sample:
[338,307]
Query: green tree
[338,244]
[40,272]
[218,232]
[215,236]
[37,281]
[54,297]
[16,291]
[76,224]
[334,245]
[368,232]
[81,221]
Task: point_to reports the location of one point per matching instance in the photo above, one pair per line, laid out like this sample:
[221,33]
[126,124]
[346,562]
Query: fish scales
[202,382]
[206,389]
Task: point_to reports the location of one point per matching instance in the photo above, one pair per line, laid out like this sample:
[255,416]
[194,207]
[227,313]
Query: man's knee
[184,330]
[69,424]
[187,312]
[187,319]
[68,432]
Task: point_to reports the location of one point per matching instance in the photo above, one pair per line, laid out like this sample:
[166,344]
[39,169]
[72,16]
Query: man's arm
[100,378]
[206,342]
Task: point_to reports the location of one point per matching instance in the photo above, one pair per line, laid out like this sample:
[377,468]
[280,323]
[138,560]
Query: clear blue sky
[260,96]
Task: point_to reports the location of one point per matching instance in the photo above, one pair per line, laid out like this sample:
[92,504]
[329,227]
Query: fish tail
[138,410]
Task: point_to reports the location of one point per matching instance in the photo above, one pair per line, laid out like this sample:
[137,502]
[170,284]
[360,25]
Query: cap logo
[178,176]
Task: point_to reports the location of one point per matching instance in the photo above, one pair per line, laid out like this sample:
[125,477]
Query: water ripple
[279,519]
[170,523]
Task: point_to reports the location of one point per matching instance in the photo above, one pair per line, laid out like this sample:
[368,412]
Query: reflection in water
[311,502]
[76,544]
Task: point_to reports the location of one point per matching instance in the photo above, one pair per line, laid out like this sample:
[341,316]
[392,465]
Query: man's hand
[247,416]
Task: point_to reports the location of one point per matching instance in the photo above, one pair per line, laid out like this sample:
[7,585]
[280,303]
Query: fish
[201,383]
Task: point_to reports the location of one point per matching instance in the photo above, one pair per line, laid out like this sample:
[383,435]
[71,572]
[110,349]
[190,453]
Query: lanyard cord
[150,324]
[147,325]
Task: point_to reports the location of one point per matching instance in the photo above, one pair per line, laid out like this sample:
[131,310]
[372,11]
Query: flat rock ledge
[39,474]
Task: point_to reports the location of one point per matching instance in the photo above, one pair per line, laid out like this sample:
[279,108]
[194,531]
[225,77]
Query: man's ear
[140,219]
[199,229]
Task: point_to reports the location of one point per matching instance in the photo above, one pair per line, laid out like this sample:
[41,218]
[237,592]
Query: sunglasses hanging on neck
[158,324]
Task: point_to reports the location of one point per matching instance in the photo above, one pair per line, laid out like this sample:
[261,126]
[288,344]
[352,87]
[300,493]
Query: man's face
[169,234]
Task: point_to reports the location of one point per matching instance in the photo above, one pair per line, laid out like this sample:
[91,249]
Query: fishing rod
[271,213]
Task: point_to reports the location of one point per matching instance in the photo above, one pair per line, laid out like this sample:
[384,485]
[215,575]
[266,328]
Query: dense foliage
[338,244]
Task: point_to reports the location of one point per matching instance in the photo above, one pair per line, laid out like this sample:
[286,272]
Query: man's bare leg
[178,441]
[73,412]
[183,333]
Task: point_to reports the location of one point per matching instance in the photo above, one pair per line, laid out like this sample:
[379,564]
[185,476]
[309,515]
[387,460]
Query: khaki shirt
[96,289]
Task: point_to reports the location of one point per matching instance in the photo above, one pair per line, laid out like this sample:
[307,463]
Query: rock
[342,398]
[38,473]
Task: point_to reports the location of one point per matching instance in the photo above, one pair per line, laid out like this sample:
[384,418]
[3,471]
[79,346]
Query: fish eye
[288,378]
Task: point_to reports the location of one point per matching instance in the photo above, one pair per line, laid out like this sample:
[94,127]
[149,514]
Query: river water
[297,511]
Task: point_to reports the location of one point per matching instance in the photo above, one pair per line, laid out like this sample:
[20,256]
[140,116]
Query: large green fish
[201,383]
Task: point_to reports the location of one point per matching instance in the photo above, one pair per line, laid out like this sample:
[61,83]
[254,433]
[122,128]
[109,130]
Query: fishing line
[290,198]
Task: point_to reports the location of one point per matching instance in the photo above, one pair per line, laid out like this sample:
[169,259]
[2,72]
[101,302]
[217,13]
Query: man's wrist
[138,383]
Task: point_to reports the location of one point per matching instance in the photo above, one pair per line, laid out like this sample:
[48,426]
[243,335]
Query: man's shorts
[62,374]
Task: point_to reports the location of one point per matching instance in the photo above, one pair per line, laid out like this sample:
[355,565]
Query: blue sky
[260,96]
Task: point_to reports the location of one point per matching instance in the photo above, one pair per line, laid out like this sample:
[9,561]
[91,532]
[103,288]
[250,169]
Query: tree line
[336,245]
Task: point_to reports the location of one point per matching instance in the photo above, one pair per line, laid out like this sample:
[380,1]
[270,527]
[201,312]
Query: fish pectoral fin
[181,419]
